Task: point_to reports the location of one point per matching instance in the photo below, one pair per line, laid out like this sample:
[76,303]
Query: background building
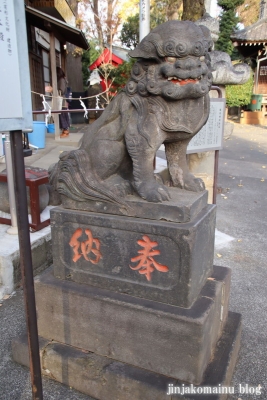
[53,40]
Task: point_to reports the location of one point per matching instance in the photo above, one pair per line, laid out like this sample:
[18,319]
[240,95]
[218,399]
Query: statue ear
[207,35]
[149,47]
[138,53]
[206,31]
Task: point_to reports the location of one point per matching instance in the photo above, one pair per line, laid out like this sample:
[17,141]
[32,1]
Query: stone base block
[103,378]
[163,261]
[165,339]
[182,206]
[10,268]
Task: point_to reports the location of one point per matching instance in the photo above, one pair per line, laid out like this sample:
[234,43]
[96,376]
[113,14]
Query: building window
[58,63]
[46,68]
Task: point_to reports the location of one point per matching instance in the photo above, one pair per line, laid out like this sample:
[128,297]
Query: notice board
[15,93]
[210,137]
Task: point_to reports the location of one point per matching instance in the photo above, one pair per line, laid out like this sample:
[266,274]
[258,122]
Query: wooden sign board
[15,93]
[210,137]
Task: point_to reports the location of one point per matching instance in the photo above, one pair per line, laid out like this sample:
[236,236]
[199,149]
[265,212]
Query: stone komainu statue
[166,100]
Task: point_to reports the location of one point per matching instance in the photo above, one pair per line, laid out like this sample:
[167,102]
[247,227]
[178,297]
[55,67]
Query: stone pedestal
[136,301]
[105,251]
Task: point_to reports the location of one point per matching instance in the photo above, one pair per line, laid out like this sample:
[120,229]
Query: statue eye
[202,58]
[170,59]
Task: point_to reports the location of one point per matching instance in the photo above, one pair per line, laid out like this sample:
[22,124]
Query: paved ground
[241,214]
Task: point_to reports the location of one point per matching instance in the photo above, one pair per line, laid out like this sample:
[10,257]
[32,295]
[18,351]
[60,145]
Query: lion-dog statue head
[174,62]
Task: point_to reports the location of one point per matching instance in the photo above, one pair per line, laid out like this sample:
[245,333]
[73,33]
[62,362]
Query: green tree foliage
[228,22]
[85,64]
[88,57]
[130,29]
[239,95]
[130,32]
[160,11]
[121,74]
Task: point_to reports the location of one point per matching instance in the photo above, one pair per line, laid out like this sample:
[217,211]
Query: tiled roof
[253,33]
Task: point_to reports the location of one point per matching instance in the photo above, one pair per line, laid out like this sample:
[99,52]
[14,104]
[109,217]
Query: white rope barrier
[67,98]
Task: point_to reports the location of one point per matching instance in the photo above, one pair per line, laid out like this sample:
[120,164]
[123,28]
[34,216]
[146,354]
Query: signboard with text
[210,137]
[15,93]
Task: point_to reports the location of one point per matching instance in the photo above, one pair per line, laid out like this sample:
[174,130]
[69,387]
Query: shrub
[239,95]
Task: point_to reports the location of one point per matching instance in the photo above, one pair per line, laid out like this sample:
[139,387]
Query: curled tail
[75,179]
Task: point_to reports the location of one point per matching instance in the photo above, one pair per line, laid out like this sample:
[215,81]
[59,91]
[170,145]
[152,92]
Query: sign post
[210,137]
[13,230]
[144,18]
[15,117]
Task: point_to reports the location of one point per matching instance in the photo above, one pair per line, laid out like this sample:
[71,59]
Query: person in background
[62,84]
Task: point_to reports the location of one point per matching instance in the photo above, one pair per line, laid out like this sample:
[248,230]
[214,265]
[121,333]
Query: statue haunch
[166,101]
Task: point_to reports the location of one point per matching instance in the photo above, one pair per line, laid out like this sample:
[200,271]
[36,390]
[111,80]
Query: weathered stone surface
[165,339]
[212,24]
[228,129]
[41,258]
[106,251]
[182,207]
[103,378]
[225,73]
[164,101]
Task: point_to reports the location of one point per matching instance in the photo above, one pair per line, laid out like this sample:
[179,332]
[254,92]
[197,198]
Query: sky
[214,9]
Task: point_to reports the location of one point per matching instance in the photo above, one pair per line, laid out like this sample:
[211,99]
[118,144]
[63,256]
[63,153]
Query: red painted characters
[91,245]
[146,263]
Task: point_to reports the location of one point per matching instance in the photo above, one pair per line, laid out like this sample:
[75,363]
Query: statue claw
[194,184]
[153,192]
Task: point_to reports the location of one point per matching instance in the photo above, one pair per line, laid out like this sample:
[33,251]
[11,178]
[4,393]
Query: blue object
[50,128]
[37,136]
[3,145]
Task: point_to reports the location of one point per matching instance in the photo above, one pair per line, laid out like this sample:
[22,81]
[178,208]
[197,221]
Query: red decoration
[147,264]
[91,245]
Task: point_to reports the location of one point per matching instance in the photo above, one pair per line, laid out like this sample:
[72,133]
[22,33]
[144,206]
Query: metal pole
[215,177]
[13,230]
[26,263]
[216,157]
[144,18]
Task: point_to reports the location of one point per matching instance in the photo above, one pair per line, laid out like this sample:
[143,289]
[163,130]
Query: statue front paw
[153,192]
[187,181]
[193,184]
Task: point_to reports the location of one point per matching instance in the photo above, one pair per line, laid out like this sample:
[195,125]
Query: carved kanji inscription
[146,263]
[85,248]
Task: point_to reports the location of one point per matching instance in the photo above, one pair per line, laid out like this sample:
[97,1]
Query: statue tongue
[183,81]
[186,82]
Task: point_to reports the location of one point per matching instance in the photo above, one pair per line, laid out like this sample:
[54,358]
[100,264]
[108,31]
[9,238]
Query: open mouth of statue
[178,81]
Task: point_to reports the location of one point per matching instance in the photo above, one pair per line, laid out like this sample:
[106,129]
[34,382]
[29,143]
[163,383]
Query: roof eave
[63,30]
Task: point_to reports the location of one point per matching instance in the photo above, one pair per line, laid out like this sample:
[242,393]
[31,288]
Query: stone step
[10,270]
[165,339]
[103,378]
